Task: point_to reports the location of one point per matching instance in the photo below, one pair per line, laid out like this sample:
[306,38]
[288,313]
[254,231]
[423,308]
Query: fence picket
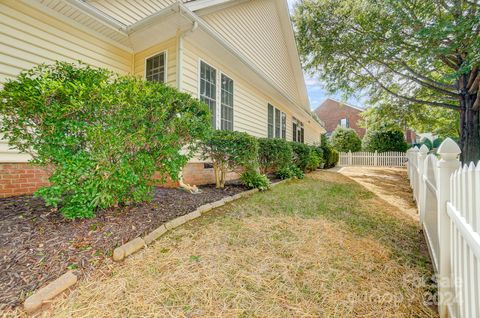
[455,244]
[373,159]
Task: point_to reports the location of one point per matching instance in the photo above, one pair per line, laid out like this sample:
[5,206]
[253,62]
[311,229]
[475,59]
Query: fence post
[447,164]
[414,180]
[375,158]
[422,154]
[350,159]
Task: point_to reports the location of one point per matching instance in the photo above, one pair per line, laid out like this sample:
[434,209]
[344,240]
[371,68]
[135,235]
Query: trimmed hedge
[345,140]
[274,154]
[383,141]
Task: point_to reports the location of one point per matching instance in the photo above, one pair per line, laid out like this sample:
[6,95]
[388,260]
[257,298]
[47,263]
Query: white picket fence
[374,159]
[448,200]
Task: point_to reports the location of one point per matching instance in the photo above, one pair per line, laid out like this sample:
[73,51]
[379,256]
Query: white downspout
[179,79]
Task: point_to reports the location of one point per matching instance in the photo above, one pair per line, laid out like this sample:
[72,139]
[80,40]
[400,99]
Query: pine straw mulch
[37,245]
[320,247]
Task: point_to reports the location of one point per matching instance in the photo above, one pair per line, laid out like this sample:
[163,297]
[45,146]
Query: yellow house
[239,56]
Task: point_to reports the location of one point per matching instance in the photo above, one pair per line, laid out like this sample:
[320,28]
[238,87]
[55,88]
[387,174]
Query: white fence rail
[448,200]
[374,159]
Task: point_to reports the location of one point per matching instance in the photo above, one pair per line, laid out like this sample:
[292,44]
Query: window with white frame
[226,118]
[217,91]
[276,123]
[155,68]
[344,122]
[208,89]
[298,130]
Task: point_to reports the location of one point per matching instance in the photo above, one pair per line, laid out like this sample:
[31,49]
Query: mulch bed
[37,245]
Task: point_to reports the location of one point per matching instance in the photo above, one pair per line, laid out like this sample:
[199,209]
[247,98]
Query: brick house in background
[335,113]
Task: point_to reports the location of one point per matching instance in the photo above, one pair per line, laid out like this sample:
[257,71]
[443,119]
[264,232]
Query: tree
[345,140]
[104,135]
[383,141]
[229,150]
[417,52]
[385,116]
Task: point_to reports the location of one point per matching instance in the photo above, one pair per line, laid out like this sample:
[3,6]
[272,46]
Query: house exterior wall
[250,104]
[254,29]
[29,37]
[332,111]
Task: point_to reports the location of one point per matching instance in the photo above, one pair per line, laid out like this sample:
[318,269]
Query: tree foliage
[439,121]
[229,150]
[103,135]
[345,140]
[421,53]
[383,141]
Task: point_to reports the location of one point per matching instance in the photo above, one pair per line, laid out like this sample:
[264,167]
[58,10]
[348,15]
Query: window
[277,123]
[155,68]
[344,123]
[227,103]
[298,131]
[208,89]
[270,121]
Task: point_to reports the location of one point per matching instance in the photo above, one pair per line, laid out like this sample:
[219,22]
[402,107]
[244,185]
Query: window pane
[155,68]
[270,121]
[284,125]
[226,114]
[277,123]
[208,89]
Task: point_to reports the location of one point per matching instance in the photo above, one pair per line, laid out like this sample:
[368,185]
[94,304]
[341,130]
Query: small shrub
[383,141]
[319,152]
[313,160]
[104,135]
[301,155]
[345,140]
[285,173]
[273,154]
[297,172]
[254,180]
[229,150]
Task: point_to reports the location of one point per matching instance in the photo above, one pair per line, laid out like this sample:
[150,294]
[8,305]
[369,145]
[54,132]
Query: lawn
[320,247]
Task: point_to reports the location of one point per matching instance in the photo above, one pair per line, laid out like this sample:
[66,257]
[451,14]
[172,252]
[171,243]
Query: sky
[317,94]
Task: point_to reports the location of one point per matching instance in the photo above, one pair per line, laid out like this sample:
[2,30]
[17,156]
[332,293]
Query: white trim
[165,73]
[77,25]
[203,4]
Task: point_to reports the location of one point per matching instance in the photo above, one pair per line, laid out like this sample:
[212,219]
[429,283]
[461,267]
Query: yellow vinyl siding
[250,104]
[29,37]
[171,49]
[254,29]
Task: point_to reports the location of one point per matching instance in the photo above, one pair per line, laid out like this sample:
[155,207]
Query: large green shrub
[103,135]
[345,140]
[301,155]
[229,150]
[273,154]
[291,171]
[314,159]
[382,141]
[330,155]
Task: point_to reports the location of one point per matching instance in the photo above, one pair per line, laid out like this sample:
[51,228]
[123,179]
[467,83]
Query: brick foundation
[21,178]
[24,178]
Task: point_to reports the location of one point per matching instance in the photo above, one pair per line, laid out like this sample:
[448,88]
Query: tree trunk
[216,169]
[470,129]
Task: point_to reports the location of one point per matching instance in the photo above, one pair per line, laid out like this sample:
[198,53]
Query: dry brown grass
[321,247]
